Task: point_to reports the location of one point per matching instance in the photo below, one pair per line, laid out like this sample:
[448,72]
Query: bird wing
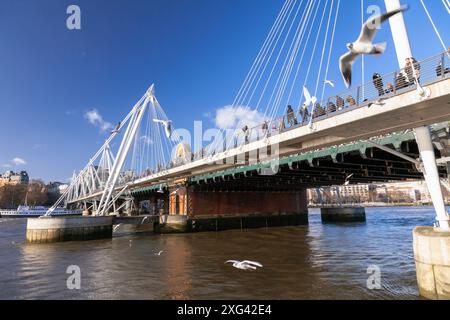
[370,28]
[247,267]
[168,130]
[254,263]
[345,64]
[231,261]
[306,94]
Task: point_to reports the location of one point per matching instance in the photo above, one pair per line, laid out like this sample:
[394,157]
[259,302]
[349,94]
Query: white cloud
[18,161]
[96,119]
[230,117]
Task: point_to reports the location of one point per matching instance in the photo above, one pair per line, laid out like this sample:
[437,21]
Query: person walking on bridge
[291,119]
[304,113]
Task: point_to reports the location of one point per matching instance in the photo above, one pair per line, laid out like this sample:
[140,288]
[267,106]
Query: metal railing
[427,71]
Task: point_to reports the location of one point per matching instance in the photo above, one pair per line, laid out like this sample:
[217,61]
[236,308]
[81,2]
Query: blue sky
[197,52]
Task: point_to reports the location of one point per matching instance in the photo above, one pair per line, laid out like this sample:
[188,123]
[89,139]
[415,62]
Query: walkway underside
[325,168]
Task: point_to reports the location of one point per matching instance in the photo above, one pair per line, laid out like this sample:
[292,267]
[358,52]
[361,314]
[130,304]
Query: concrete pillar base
[59,229]
[432,257]
[343,215]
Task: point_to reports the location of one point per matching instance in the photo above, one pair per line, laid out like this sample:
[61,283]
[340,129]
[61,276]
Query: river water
[308,262]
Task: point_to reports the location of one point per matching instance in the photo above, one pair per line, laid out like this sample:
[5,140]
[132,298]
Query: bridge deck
[398,113]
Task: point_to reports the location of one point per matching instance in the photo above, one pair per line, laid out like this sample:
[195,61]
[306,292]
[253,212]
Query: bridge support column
[176,219]
[431,245]
[217,211]
[194,210]
[343,214]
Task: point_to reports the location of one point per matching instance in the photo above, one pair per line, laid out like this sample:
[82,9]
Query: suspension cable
[434,26]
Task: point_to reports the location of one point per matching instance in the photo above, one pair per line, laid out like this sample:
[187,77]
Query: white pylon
[423,136]
[133,125]
[78,183]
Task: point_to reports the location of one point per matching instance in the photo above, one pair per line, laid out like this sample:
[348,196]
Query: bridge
[394,127]
[334,134]
[382,130]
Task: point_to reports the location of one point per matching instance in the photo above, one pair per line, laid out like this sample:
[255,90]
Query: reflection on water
[308,262]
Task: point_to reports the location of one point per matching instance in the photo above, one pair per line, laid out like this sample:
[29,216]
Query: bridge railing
[427,71]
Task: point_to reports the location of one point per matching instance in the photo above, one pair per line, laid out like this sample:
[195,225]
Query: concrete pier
[133,225]
[59,229]
[343,214]
[432,257]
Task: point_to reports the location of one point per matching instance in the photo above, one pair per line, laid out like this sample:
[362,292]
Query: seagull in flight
[159,253]
[347,179]
[245,265]
[117,127]
[364,45]
[308,99]
[167,124]
[329,82]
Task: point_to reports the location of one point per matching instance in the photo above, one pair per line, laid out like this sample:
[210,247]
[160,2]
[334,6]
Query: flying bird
[159,253]
[347,179]
[308,99]
[329,82]
[167,124]
[364,45]
[117,127]
[245,265]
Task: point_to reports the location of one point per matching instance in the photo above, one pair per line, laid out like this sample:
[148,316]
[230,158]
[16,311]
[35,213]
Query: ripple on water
[307,262]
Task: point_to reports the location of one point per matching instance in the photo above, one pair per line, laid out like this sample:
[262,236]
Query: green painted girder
[395,139]
[147,189]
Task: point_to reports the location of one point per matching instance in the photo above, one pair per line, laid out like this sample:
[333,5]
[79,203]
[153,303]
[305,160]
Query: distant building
[56,187]
[14,178]
[395,192]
